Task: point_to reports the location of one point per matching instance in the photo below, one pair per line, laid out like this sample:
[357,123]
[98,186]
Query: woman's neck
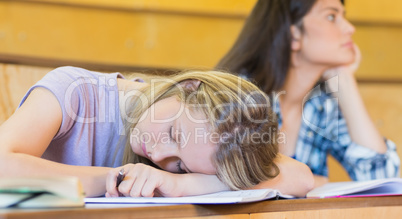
[300,80]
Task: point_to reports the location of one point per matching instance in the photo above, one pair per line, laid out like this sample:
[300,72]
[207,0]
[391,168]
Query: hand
[345,69]
[142,181]
[344,72]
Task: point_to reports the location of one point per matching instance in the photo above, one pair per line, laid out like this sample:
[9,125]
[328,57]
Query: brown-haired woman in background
[289,48]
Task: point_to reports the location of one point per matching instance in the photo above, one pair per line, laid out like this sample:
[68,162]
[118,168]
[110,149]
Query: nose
[161,152]
[348,27]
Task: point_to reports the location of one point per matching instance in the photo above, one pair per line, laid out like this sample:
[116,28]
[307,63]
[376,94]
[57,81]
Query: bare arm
[361,128]
[320,180]
[27,133]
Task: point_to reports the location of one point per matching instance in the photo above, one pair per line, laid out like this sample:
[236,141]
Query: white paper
[390,186]
[226,197]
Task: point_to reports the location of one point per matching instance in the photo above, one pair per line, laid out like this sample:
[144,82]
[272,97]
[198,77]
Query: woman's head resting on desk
[204,122]
[283,34]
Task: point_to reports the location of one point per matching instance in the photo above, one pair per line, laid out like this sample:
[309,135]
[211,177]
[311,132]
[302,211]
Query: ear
[296,38]
[191,84]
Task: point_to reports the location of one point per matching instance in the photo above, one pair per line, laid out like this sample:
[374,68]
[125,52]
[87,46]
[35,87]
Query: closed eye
[179,169]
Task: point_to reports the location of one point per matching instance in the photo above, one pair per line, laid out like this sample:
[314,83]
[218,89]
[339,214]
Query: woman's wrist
[347,86]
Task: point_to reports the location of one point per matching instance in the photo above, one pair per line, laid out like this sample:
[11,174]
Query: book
[379,187]
[225,197]
[41,192]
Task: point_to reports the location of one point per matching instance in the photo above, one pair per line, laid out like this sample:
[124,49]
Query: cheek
[322,44]
[316,43]
[200,162]
[141,133]
[325,50]
[135,141]
[346,56]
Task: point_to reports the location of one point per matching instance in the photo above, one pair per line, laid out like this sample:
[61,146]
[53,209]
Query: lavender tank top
[91,132]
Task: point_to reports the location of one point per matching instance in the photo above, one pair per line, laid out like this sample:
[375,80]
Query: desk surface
[170,211]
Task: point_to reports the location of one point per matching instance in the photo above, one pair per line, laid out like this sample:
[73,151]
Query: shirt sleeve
[59,82]
[362,163]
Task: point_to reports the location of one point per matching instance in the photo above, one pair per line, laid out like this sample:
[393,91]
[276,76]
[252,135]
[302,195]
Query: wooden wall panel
[115,36]
[171,34]
[374,11]
[381,48]
[221,7]
[379,36]
[15,80]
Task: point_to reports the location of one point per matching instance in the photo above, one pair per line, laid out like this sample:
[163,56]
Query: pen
[120,177]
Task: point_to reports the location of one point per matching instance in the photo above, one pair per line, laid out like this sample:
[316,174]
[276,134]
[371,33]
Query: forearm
[295,178]
[361,128]
[198,184]
[17,164]
[320,180]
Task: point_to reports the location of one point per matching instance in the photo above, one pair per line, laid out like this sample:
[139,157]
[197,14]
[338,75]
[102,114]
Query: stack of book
[41,192]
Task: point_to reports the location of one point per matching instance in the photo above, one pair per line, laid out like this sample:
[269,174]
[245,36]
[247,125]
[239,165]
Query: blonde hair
[237,110]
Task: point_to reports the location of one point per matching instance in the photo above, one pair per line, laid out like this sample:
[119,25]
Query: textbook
[379,187]
[41,192]
[226,197]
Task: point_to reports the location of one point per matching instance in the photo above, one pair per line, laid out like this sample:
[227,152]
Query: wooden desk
[374,207]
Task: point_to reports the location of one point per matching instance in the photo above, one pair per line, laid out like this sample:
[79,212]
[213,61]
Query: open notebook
[379,187]
[226,197]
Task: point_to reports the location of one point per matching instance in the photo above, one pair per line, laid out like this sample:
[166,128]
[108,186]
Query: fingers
[140,181]
[111,180]
[145,182]
[136,189]
[148,190]
[358,57]
[357,50]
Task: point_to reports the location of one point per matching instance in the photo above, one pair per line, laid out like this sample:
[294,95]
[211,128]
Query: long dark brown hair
[263,48]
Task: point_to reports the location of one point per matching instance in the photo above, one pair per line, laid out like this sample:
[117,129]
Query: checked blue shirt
[324,131]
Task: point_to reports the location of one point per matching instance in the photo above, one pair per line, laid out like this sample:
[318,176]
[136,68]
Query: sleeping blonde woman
[192,133]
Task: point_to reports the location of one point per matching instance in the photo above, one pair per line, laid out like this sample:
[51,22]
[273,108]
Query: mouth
[348,44]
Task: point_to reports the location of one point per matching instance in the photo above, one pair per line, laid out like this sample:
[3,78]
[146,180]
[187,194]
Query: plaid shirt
[324,131]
